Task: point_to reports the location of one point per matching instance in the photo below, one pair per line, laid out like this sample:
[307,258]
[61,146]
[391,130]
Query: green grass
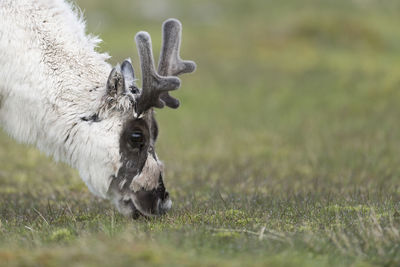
[285,151]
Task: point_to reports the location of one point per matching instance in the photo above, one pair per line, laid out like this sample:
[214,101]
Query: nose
[161,192]
[164,196]
[152,202]
[164,204]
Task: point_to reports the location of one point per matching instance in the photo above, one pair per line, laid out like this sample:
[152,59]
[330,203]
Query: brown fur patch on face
[148,179]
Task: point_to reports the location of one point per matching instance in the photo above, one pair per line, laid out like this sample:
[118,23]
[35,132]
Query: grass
[285,151]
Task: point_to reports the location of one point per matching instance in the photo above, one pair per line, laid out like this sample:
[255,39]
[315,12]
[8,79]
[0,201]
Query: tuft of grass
[62,234]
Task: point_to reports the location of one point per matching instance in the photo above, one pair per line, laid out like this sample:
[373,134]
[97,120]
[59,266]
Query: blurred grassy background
[290,124]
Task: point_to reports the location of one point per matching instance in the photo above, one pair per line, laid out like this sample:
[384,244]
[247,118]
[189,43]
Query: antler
[170,64]
[155,86]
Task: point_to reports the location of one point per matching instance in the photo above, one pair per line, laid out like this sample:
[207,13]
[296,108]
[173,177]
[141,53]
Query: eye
[137,138]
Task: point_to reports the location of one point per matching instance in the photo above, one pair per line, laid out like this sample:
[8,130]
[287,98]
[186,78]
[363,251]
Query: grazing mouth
[135,212]
[141,203]
[148,208]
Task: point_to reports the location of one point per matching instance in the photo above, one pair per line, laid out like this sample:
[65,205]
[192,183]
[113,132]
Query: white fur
[147,179]
[50,77]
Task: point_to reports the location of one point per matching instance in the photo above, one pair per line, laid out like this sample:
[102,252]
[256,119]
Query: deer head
[138,187]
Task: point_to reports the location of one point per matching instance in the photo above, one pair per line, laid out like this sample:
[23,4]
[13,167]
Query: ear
[128,74]
[115,82]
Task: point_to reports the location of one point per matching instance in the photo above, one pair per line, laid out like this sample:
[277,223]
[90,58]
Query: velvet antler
[155,86]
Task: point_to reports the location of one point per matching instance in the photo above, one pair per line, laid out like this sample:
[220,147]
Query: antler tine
[153,84]
[170,64]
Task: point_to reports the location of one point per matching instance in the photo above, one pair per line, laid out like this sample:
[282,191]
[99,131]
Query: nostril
[166,195]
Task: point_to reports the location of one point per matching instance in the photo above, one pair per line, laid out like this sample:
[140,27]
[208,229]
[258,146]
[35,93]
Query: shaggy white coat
[50,77]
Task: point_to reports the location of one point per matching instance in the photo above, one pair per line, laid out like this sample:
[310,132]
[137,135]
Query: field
[284,152]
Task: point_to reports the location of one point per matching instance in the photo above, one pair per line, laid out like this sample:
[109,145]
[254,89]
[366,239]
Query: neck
[51,79]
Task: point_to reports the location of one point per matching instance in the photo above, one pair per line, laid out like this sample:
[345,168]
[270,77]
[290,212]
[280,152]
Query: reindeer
[59,94]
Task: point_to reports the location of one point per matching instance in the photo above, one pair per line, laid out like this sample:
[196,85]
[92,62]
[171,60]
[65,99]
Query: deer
[62,96]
